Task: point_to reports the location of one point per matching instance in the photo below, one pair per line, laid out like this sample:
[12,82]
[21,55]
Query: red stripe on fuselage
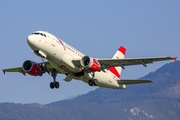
[114,71]
[61,43]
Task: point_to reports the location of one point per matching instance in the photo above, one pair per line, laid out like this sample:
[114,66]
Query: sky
[95,27]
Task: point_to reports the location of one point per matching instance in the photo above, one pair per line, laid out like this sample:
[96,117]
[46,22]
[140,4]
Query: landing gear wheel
[52,85]
[54,74]
[95,81]
[90,82]
[56,85]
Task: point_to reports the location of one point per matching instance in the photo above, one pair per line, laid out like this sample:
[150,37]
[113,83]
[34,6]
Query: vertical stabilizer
[120,54]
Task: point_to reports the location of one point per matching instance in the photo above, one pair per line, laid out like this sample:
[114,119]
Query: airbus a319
[65,59]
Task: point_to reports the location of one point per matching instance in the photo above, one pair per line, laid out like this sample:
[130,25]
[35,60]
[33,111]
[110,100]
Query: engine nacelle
[90,63]
[32,68]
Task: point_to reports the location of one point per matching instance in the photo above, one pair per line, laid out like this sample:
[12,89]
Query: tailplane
[120,54]
[128,82]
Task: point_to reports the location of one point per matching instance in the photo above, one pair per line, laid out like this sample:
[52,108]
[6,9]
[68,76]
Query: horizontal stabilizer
[127,82]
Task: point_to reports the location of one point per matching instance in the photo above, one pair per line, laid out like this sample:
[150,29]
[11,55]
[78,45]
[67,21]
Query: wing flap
[128,82]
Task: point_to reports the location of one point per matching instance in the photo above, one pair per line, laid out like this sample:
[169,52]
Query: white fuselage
[60,56]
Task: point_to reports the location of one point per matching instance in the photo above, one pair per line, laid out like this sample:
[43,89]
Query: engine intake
[32,68]
[90,64]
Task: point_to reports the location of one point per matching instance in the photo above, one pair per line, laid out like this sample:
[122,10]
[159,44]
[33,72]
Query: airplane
[65,59]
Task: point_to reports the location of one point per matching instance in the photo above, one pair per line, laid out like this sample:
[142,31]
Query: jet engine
[32,68]
[90,64]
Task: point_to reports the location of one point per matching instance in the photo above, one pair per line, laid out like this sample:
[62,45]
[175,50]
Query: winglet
[175,58]
[4,72]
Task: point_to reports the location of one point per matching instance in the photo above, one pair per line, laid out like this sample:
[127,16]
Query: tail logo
[118,55]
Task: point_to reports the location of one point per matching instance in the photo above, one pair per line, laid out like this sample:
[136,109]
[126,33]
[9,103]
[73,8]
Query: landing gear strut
[53,72]
[93,82]
[54,84]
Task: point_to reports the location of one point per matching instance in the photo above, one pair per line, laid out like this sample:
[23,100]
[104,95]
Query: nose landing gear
[53,71]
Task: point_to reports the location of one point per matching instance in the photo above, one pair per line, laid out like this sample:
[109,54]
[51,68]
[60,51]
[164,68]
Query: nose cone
[31,41]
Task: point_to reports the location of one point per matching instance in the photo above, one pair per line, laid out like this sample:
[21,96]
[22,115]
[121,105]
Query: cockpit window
[37,33]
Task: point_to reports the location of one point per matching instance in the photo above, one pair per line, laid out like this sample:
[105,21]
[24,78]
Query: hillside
[157,100]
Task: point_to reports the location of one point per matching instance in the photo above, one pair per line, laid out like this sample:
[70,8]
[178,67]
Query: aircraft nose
[31,41]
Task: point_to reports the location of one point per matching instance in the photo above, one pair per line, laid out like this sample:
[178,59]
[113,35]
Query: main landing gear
[54,84]
[93,82]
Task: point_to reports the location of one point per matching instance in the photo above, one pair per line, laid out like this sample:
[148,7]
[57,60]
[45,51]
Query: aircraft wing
[108,62]
[19,69]
[128,82]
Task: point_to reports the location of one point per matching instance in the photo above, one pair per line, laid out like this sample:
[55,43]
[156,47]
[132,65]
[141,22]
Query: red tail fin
[120,54]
